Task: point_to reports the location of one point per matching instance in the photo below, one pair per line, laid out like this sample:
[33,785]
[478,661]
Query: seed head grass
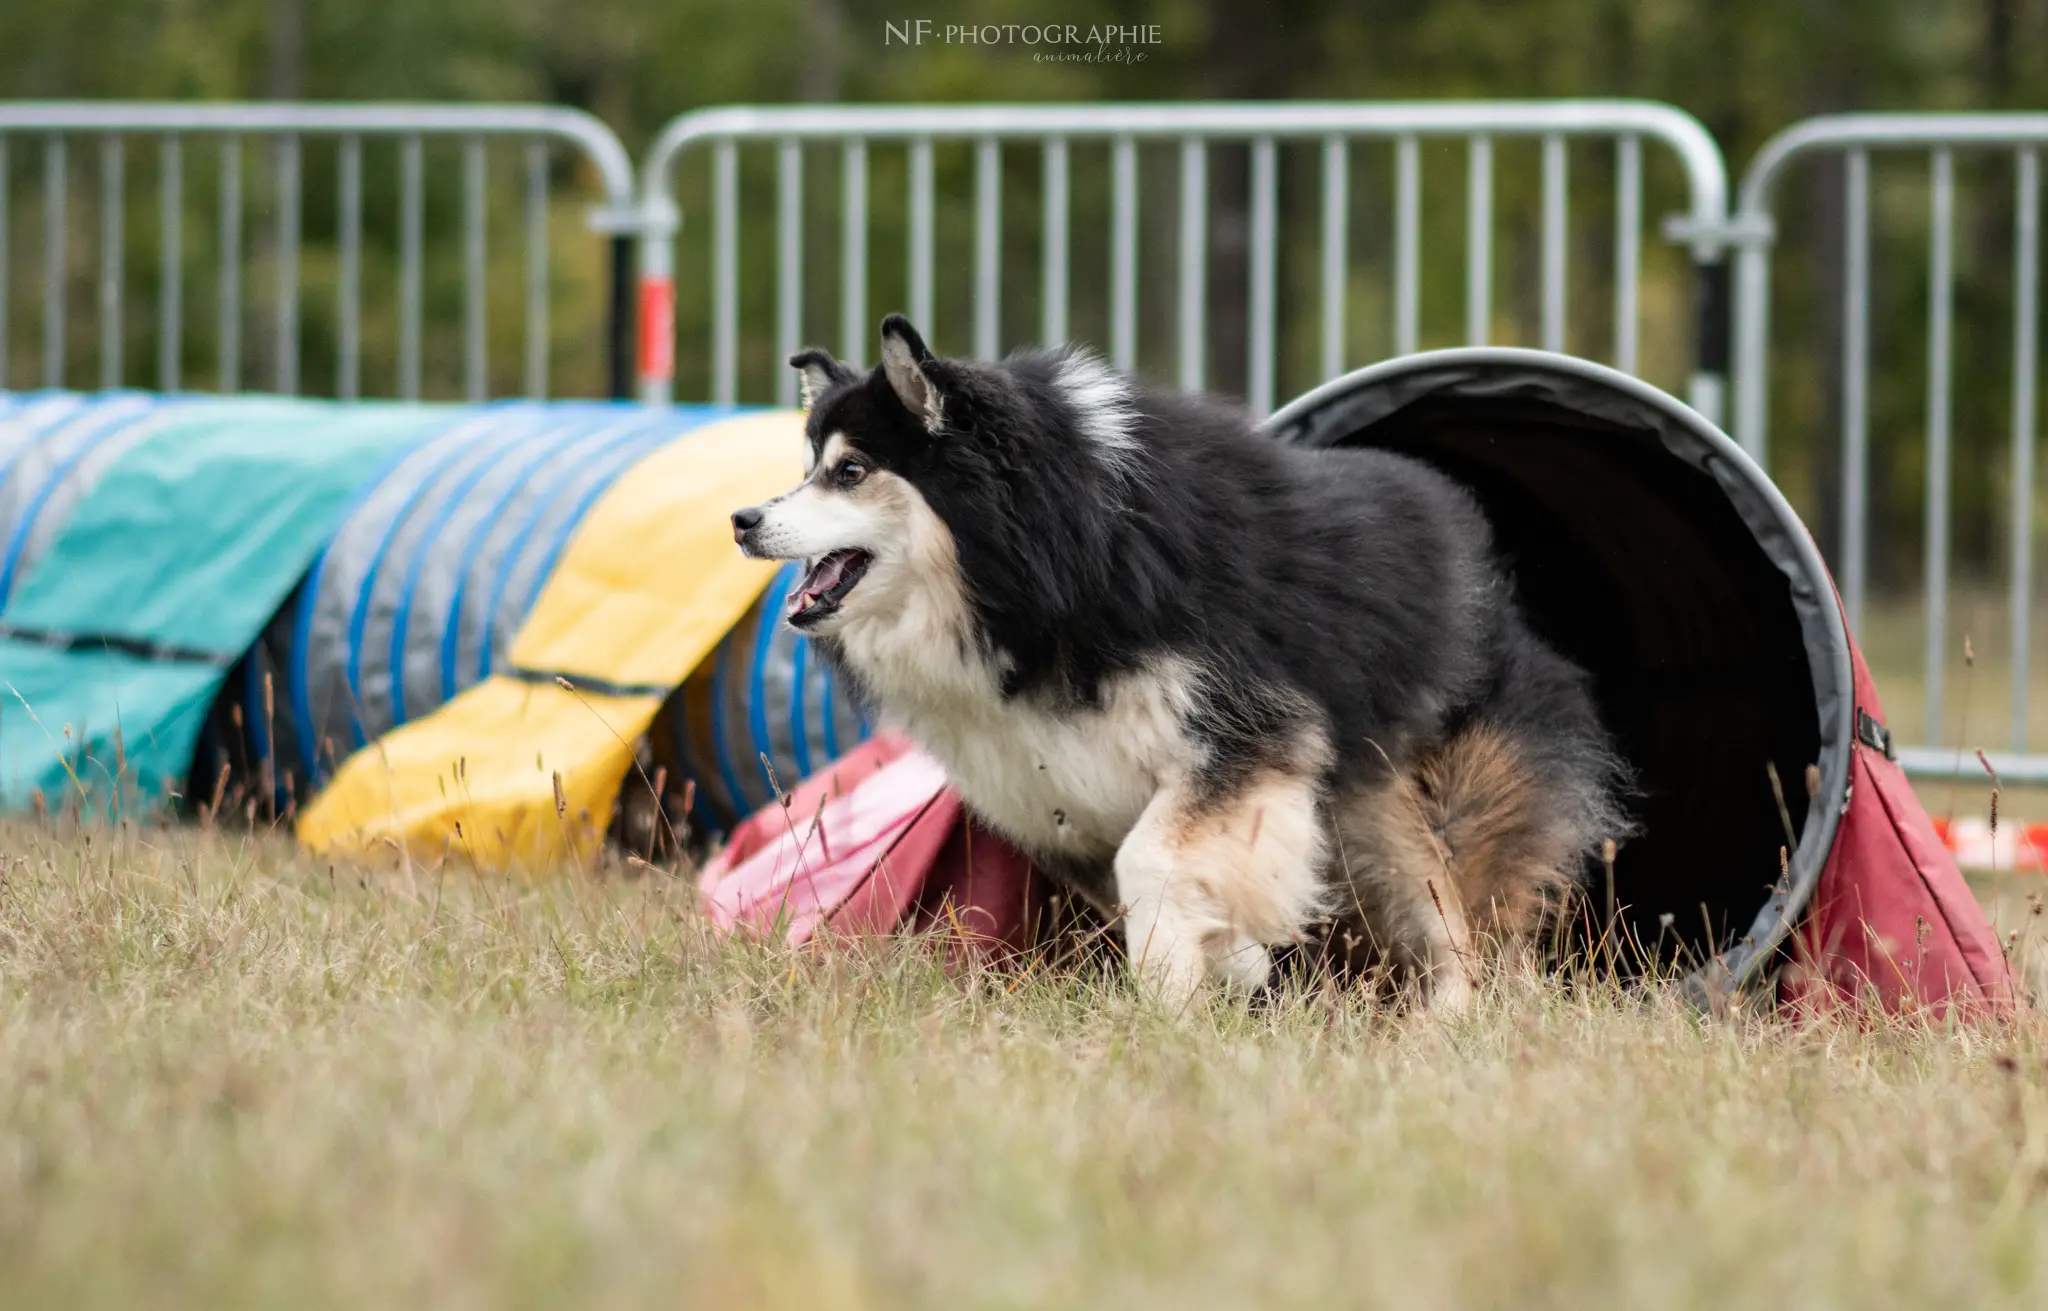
[232,1074]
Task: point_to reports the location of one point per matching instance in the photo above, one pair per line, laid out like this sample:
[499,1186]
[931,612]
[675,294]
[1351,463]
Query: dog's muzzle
[744,522]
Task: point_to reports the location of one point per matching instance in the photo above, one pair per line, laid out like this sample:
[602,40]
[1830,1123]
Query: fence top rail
[1706,173]
[315,118]
[1881,131]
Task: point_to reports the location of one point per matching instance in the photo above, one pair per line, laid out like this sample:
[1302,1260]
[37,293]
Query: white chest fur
[1068,781]
[1057,779]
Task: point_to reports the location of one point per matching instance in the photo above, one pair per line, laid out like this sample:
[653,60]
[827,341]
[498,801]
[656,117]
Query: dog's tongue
[828,573]
[821,580]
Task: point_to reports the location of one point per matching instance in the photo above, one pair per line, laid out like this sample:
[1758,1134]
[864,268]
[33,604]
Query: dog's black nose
[745,520]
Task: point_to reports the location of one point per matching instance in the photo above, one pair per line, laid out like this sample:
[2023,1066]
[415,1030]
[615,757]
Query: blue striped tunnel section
[765,696]
[421,592]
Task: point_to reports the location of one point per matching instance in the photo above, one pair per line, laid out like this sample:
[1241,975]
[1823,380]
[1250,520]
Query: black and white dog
[1233,691]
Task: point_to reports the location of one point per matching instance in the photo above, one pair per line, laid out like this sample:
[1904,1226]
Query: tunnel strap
[139,647]
[1873,734]
[586,683]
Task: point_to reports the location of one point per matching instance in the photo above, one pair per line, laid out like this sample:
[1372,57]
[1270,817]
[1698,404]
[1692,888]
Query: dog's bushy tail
[1518,821]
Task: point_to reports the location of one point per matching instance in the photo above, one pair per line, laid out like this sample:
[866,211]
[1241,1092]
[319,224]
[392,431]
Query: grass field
[230,1075]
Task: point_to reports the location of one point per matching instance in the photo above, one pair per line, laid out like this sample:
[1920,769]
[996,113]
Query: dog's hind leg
[1402,870]
[1477,845]
[1207,880]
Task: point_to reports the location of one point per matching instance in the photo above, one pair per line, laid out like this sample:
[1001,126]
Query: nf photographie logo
[1096,43]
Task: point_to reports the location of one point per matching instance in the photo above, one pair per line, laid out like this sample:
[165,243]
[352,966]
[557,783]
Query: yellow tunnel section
[522,770]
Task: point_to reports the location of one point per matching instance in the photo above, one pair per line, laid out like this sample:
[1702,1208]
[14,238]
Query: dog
[1242,695]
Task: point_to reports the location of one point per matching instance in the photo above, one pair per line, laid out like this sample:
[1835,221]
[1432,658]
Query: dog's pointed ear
[904,361]
[820,373]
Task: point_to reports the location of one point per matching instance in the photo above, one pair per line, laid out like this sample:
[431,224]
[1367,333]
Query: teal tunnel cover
[166,569]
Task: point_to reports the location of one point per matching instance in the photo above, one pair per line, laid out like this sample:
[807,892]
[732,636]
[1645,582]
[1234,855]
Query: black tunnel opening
[1641,548]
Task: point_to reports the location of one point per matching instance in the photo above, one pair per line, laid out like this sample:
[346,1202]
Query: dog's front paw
[1170,968]
[1244,963]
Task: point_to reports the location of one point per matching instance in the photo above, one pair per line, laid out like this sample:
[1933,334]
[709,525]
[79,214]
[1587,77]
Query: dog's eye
[849,472]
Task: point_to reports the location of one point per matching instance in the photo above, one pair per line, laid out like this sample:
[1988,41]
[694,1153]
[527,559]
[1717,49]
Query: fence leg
[620,336]
[1709,388]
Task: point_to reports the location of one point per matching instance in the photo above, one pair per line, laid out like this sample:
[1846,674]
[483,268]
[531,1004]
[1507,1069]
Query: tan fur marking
[1259,855]
[1461,856]
[1207,885]
[1511,858]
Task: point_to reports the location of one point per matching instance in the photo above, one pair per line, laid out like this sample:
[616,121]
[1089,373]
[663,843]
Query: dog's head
[865,532]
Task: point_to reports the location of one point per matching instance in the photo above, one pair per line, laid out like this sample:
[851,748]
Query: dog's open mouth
[822,590]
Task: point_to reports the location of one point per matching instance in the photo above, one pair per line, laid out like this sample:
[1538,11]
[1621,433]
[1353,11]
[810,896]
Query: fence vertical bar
[1855,377]
[1752,356]
[1336,244]
[1123,256]
[1264,239]
[229,330]
[1194,260]
[349,292]
[789,265]
[1407,245]
[536,269]
[623,312]
[1478,240]
[988,248]
[1554,185]
[1940,318]
[476,381]
[1628,247]
[4,204]
[1054,259]
[54,170]
[853,274]
[921,233]
[113,168]
[410,178]
[286,341]
[2026,304]
[170,298]
[725,272]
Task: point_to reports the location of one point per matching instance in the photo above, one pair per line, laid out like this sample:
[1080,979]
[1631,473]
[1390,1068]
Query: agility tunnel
[506,736]
[149,541]
[1646,545]
[241,593]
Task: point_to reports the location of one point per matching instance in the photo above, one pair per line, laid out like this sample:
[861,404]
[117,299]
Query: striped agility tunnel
[350,614]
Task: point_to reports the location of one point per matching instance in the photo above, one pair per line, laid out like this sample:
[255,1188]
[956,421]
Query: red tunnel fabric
[1892,920]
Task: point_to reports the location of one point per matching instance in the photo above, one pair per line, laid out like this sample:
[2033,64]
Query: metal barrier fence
[285,126]
[640,217]
[1195,128]
[1752,230]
